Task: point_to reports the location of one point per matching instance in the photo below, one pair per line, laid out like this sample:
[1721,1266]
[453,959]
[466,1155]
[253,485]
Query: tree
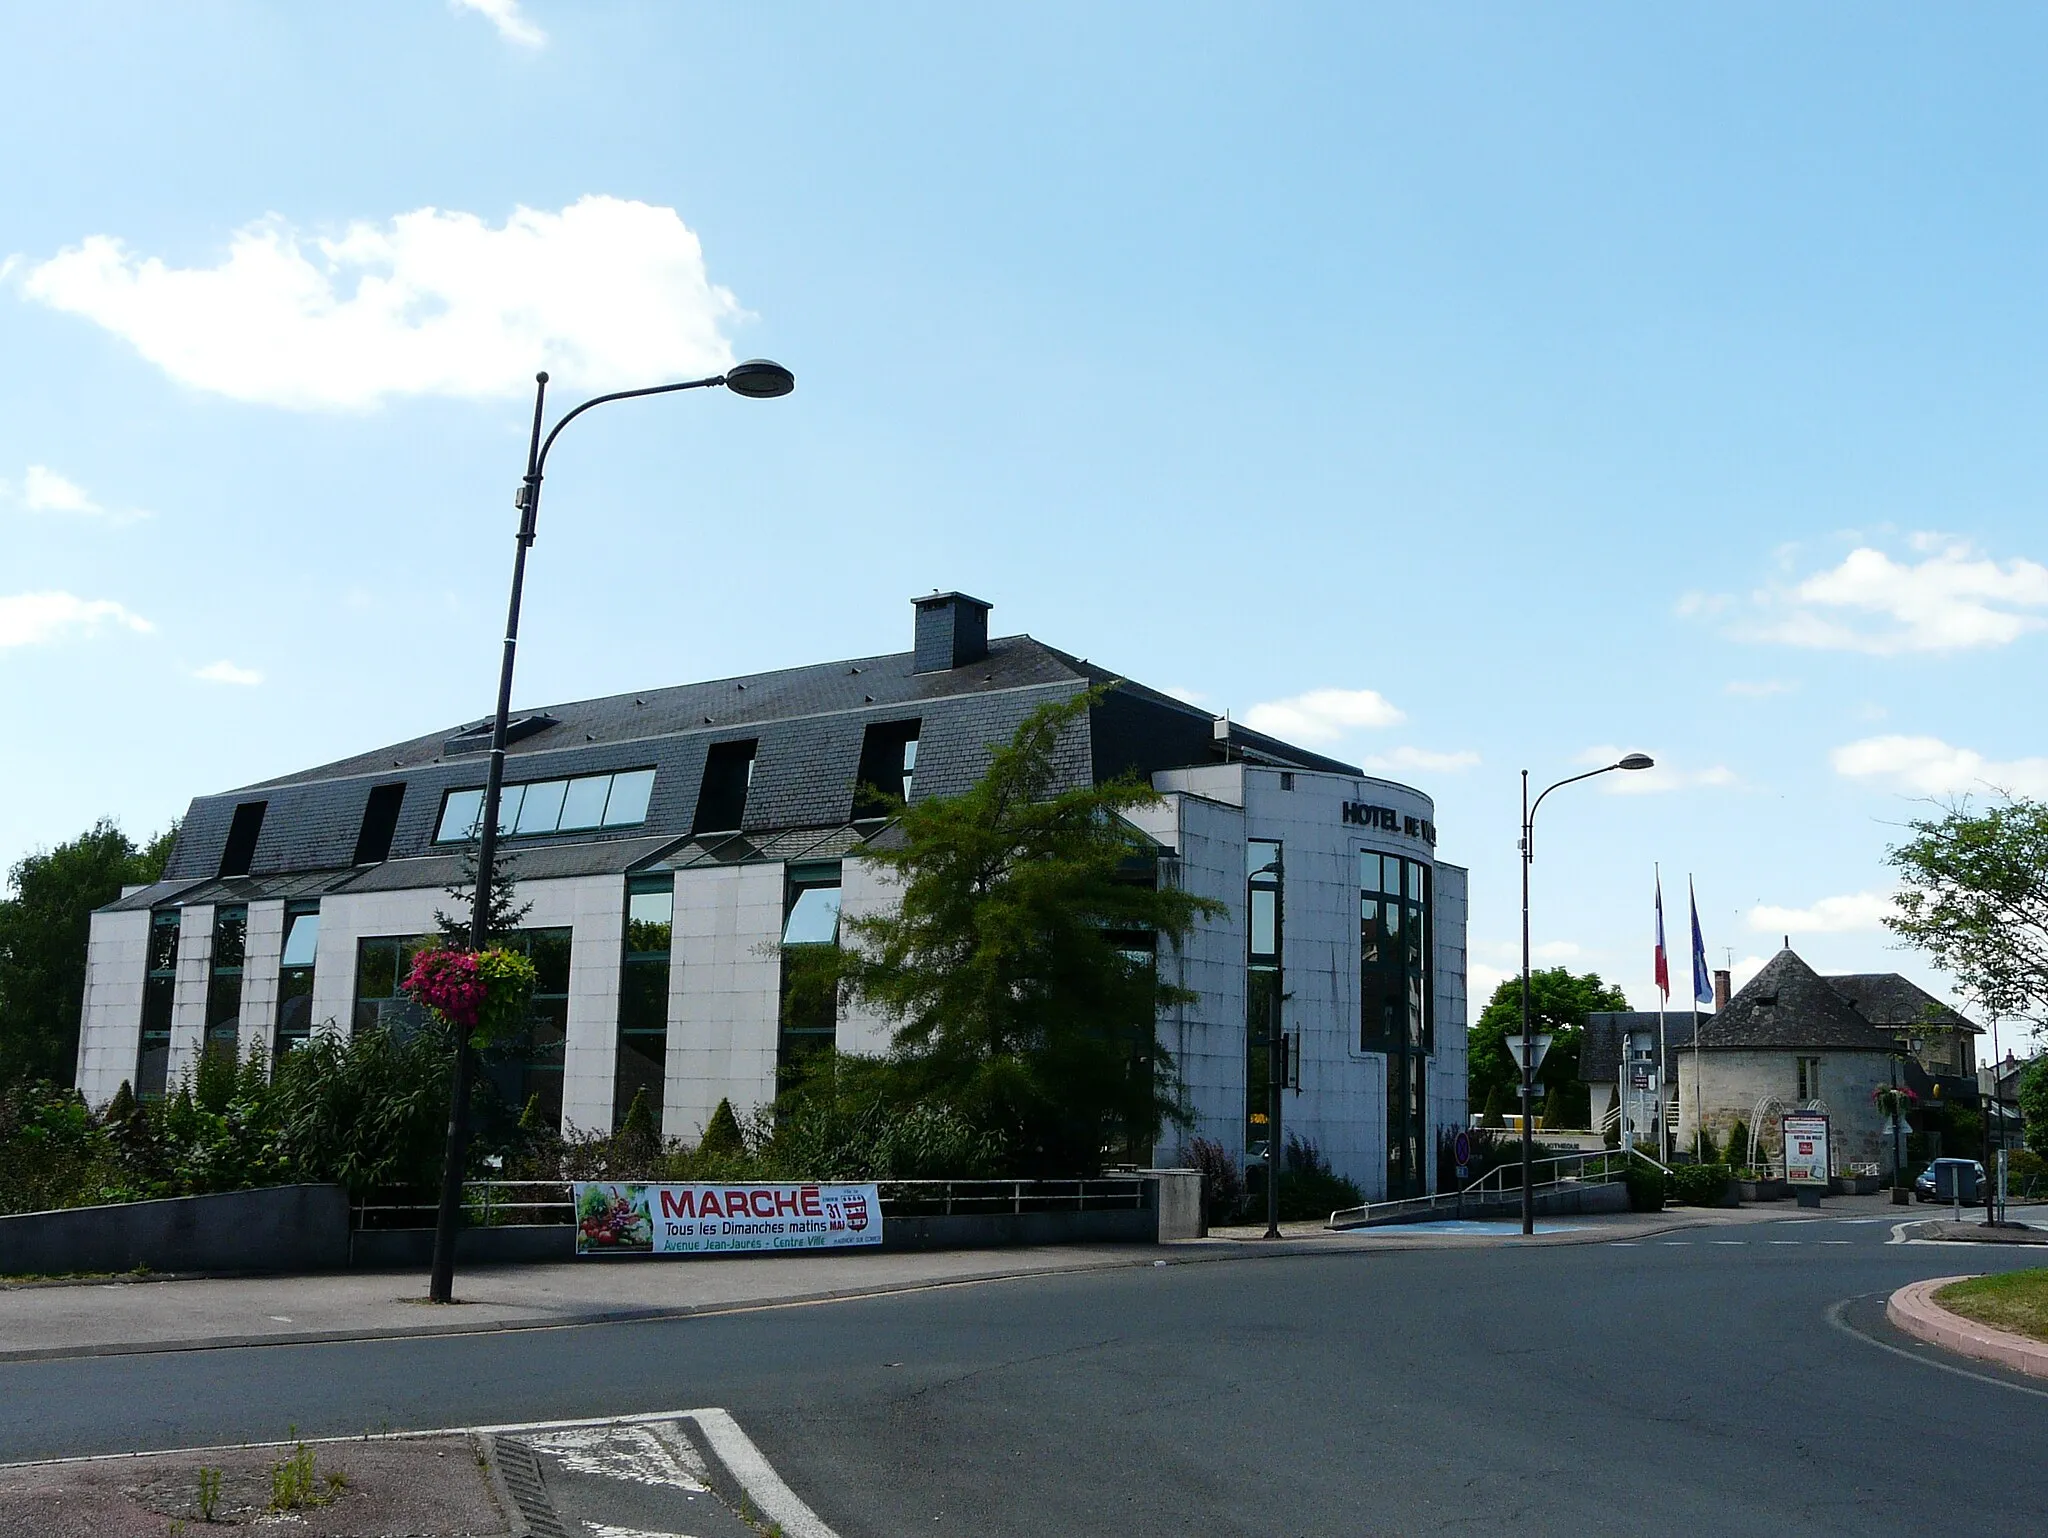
[1975,898]
[44,927]
[2033,1098]
[504,917]
[1559,1004]
[1019,966]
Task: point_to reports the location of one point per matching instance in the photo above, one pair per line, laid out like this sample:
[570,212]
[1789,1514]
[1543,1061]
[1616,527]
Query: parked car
[1969,1172]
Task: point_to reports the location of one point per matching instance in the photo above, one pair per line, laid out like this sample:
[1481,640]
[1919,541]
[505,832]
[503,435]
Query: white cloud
[1189,696]
[225,672]
[1424,759]
[1323,715]
[1743,970]
[1664,776]
[505,16]
[1760,689]
[31,619]
[1953,599]
[1829,916]
[1556,950]
[44,490]
[605,294]
[1933,767]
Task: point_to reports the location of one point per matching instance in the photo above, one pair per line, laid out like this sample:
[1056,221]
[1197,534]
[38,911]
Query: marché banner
[620,1219]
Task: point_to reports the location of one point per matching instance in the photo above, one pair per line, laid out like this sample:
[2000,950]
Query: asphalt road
[1718,1382]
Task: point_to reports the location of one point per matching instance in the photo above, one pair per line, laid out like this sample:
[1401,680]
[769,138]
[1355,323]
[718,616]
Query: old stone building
[1790,1040]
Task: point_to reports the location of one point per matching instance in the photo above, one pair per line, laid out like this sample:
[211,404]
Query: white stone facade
[725,969]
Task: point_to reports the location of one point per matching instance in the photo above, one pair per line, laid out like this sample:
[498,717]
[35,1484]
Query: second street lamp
[1528,1066]
[757,379]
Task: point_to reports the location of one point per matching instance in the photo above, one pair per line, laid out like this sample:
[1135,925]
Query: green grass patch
[2015,1301]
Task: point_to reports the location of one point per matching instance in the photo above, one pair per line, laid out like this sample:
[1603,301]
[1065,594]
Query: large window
[295,976]
[1397,1009]
[523,1067]
[224,984]
[1267,916]
[643,994]
[159,993]
[810,1001]
[551,806]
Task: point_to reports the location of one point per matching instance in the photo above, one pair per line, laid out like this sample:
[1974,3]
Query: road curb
[1913,1309]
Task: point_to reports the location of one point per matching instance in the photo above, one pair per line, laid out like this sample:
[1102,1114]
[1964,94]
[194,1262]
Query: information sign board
[616,1218]
[1806,1149]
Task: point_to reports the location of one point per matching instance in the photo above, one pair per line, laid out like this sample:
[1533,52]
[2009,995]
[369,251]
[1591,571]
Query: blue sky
[1458,388]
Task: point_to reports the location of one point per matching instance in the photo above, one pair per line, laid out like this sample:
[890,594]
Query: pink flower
[446,982]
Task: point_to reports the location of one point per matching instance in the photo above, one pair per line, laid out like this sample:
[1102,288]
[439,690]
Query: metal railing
[495,1203]
[1502,1181]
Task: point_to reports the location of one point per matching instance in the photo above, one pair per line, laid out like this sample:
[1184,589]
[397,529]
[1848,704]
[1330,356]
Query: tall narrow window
[722,799]
[380,821]
[810,999]
[888,762]
[159,992]
[1397,1005]
[224,984]
[643,995]
[1266,920]
[1809,1078]
[240,850]
[295,976]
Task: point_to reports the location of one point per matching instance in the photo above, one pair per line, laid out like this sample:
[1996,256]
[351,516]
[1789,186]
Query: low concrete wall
[1178,1196]
[399,1249]
[280,1228]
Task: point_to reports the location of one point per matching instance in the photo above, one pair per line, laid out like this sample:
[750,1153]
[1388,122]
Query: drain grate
[519,1466]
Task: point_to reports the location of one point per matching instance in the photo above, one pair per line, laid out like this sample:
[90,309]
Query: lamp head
[759,379]
[1637,761]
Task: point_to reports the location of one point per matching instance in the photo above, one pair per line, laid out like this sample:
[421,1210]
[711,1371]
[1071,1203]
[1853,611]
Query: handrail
[1493,1184]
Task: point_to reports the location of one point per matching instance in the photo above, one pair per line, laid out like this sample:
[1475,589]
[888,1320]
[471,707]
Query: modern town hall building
[675,845]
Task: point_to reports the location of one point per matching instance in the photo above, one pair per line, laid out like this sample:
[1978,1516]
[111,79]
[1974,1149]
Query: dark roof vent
[952,631]
[477,739]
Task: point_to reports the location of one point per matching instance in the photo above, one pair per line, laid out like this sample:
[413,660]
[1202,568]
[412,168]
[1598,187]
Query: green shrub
[1700,1185]
[1737,1152]
[1223,1194]
[367,1112]
[1646,1187]
[1309,1189]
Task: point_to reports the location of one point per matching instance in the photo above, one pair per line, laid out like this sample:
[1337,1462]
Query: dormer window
[888,763]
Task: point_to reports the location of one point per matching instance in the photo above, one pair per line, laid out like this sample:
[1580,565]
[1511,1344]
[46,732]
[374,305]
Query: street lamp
[757,379]
[1629,761]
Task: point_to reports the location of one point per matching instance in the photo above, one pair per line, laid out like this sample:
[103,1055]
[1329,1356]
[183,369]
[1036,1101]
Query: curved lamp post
[1630,761]
[757,379]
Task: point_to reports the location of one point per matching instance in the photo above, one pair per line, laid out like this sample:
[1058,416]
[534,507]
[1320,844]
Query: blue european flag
[1702,980]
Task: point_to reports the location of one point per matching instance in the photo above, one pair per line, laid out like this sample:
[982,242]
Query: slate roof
[1600,1047]
[1788,1005]
[1888,1000]
[808,723]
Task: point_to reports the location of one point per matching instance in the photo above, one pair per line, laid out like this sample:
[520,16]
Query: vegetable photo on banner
[483,994]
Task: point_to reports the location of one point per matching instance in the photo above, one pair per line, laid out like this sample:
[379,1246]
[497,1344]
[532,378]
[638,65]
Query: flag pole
[1699,947]
[1663,998]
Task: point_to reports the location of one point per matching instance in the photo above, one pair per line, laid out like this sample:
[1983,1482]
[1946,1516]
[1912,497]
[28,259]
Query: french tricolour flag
[1663,961]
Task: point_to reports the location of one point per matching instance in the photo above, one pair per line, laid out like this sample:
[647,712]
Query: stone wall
[1731,1082]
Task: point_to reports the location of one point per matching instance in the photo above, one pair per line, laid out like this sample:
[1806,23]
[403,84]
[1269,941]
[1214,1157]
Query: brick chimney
[952,631]
[1720,991]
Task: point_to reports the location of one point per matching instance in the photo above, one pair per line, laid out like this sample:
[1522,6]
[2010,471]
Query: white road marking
[1836,1241]
[1731,1241]
[633,1453]
[606,1530]
[1788,1241]
[764,1487]
[1625,1244]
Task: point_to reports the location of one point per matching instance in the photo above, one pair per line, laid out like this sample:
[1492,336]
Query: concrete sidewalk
[113,1316]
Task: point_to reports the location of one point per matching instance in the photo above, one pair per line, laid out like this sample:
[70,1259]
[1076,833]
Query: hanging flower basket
[483,994]
[1893,1101]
